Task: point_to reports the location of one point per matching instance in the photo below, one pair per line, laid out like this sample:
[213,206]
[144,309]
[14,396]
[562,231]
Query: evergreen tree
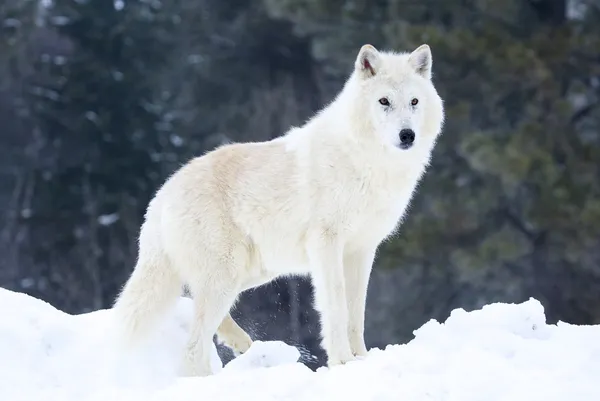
[17,27]
[107,122]
[513,193]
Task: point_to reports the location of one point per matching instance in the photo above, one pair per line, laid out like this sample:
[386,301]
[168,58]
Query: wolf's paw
[239,344]
[188,370]
[340,359]
[357,345]
[360,352]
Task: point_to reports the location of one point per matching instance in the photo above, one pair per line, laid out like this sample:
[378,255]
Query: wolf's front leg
[325,254]
[357,270]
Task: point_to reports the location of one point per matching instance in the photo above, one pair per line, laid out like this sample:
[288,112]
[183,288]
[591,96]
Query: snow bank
[503,352]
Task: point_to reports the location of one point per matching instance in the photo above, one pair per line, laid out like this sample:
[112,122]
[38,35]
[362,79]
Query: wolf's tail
[152,289]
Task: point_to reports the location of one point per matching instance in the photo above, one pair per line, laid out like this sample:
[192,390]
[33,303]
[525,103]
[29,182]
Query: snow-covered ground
[503,352]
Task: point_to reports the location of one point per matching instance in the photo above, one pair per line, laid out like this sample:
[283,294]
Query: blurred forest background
[101,100]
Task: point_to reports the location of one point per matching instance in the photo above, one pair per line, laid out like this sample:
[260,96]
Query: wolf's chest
[376,211]
[386,205]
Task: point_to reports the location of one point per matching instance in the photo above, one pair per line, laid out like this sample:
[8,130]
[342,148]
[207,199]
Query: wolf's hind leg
[233,335]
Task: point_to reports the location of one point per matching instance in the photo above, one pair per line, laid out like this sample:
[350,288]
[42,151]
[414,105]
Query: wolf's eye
[414,102]
[384,101]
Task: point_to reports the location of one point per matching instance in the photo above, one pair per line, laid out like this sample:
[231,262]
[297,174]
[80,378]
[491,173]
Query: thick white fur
[318,200]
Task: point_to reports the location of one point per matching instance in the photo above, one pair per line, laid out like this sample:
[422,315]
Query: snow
[108,219]
[576,9]
[502,352]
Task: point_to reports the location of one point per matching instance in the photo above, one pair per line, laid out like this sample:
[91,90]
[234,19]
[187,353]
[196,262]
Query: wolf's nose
[407,137]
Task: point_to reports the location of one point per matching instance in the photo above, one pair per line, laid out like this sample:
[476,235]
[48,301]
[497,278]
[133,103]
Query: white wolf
[318,200]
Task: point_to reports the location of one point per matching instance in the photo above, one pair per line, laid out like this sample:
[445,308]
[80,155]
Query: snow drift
[503,352]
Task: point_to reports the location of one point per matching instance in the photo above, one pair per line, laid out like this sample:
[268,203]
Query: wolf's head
[395,98]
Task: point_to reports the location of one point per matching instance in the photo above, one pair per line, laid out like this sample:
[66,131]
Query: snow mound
[502,352]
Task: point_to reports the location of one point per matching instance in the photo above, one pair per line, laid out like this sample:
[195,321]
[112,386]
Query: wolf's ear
[421,61]
[367,63]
